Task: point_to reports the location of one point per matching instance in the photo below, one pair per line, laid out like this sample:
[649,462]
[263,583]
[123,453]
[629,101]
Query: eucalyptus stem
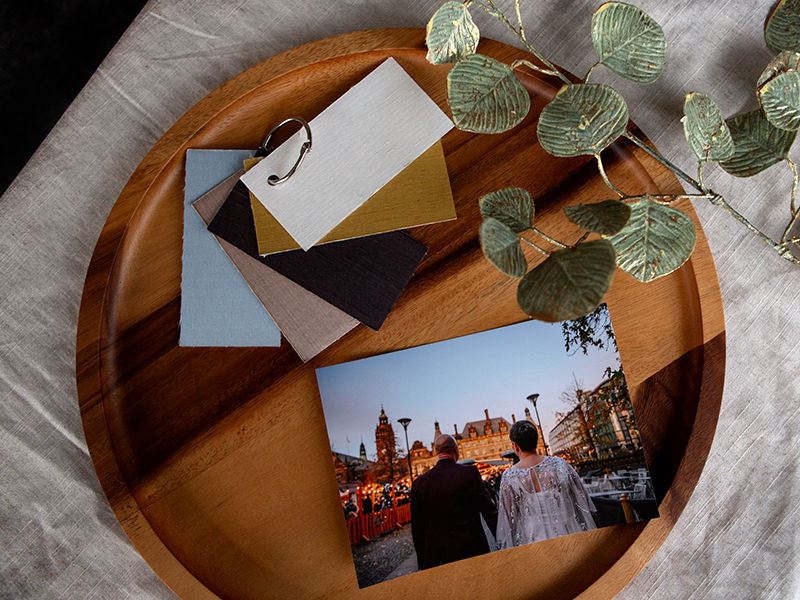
[532,245]
[668,198]
[793,167]
[780,248]
[589,72]
[795,211]
[700,164]
[548,238]
[718,200]
[665,161]
[520,27]
[605,177]
[580,239]
[492,9]
[790,226]
[530,65]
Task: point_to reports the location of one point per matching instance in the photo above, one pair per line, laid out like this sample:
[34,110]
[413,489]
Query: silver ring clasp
[304,149]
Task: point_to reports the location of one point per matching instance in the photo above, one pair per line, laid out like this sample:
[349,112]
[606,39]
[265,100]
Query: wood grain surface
[217,461]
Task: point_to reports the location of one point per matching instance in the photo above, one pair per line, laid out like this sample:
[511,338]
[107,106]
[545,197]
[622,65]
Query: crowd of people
[376,497]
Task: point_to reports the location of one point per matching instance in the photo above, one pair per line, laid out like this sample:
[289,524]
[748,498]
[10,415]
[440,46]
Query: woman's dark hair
[524,435]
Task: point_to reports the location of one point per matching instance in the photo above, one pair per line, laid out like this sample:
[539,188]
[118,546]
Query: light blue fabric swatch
[218,308]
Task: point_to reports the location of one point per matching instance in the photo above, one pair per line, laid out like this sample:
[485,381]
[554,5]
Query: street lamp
[533,398]
[405,421]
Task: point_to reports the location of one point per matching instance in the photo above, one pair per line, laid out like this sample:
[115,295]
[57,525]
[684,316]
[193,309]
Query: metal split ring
[304,149]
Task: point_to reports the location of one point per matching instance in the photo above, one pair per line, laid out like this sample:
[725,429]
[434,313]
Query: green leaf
[629,42]
[570,283]
[502,247]
[451,34]
[485,96]
[657,240]
[705,128]
[783,63]
[779,91]
[606,217]
[782,29]
[757,144]
[780,100]
[511,206]
[582,119]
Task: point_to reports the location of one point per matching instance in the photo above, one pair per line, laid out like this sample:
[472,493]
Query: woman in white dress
[541,497]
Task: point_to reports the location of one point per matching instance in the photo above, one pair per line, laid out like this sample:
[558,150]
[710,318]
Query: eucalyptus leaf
[582,119]
[782,29]
[780,100]
[502,247]
[657,240]
[511,206]
[786,61]
[451,34]
[568,284]
[629,42]
[757,143]
[779,91]
[606,217]
[485,96]
[705,128]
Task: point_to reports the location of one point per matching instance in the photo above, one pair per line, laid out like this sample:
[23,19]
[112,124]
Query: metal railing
[363,528]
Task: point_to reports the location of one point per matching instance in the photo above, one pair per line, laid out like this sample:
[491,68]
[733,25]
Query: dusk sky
[453,381]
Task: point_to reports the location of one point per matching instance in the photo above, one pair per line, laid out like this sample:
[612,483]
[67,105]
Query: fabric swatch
[307,322]
[217,306]
[360,143]
[419,195]
[364,277]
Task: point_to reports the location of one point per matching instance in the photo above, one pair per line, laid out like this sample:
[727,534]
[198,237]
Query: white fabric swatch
[360,142]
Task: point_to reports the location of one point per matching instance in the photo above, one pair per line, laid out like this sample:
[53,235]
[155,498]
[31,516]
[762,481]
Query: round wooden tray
[216,461]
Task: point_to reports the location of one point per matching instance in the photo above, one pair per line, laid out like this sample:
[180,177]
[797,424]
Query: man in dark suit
[446,504]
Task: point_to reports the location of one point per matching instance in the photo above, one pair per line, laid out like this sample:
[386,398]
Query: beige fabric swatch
[419,195]
[307,322]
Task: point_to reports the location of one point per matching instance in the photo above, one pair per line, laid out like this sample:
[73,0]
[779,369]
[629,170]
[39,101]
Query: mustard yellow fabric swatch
[418,195]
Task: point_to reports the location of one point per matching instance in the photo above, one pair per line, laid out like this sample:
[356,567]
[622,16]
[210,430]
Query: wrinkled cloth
[737,537]
[541,502]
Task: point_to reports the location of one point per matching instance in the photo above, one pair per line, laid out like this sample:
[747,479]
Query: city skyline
[453,381]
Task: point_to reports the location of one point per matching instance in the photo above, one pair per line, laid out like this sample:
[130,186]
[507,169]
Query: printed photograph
[483,443]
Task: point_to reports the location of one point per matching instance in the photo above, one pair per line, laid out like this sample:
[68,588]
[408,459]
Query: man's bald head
[446,445]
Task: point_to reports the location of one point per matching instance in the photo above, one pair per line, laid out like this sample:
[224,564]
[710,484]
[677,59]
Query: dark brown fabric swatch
[363,277]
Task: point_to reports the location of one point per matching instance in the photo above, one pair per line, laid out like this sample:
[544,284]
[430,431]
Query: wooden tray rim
[169,148]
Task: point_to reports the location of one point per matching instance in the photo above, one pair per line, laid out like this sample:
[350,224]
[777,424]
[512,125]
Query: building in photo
[390,464]
[482,441]
[351,468]
[600,427]
[385,442]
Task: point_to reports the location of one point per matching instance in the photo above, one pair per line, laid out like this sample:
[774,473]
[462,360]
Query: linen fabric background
[738,535]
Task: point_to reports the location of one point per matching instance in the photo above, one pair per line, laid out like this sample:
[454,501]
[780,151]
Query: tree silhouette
[592,331]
